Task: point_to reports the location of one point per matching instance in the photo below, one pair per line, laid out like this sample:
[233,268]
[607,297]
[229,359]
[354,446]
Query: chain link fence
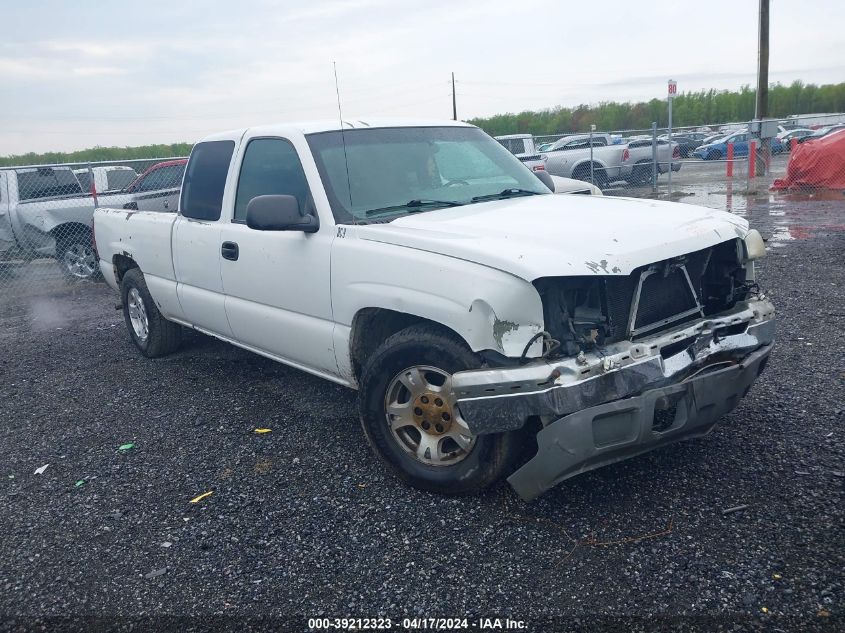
[46,216]
[46,211]
[658,162]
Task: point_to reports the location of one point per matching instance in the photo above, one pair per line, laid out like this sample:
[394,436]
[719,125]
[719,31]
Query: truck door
[277,283]
[196,237]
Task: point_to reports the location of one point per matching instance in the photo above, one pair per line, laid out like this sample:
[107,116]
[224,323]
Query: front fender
[487,308]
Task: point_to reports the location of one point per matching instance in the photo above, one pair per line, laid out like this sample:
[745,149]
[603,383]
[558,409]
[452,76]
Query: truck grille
[672,292]
[665,294]
[663,297]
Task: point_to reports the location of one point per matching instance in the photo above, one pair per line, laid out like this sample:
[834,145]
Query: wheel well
[122,263]
[583,169]
[70,229]
[371,326]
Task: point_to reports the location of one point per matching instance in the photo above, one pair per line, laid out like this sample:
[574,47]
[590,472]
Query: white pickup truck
[572,157]
[522,146]
[44,212]
[491,328]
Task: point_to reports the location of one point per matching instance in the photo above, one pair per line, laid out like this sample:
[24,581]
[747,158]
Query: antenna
[454,102]
[343,140]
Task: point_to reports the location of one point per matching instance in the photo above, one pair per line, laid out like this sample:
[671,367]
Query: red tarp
[819,163]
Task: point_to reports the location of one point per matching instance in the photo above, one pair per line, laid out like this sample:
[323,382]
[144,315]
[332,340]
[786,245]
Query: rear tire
[412,422]
[641,174]
[152,334]
[582,172]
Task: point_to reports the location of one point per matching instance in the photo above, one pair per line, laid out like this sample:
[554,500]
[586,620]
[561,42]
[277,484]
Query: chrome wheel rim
[138,315]
[423,417]
[80,261]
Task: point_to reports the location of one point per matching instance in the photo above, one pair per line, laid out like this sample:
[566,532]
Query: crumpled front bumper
[632,398]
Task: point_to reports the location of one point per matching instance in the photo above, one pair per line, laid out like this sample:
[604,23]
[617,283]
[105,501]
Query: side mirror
[546,179]
[279,213]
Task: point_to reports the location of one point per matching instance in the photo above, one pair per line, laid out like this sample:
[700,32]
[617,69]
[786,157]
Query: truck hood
[553,236]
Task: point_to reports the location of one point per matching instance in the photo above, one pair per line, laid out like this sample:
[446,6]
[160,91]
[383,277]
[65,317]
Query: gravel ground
[304,522]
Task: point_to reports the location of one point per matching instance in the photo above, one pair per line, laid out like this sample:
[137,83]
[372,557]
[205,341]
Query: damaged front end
[636,362]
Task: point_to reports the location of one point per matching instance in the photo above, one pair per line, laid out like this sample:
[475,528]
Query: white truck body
[327,299]
[571,156]
[106,179]
[523,147]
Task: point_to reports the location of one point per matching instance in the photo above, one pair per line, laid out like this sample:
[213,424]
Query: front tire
[152,334]
[412,422]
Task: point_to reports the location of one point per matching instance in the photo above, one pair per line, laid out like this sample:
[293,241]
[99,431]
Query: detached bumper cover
[622,429]
[631,398]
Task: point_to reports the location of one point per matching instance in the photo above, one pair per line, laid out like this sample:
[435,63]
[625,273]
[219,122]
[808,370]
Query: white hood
[553,236]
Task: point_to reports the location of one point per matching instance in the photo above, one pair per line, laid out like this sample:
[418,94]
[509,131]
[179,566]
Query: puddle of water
[781,217]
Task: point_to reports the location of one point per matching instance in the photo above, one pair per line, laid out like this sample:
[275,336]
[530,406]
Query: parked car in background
[686,142]
[478,315]
[814,120]
[786,136]
[712,138]
[740,141]
[157,189]
[106,179]
[570,157]
[637,160]
[522,146]
[570,185]
[821,133]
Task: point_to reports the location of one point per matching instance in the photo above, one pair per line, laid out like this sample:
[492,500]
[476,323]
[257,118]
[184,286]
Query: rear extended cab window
[46,182]
[205,180]
[513,145]
[120,178]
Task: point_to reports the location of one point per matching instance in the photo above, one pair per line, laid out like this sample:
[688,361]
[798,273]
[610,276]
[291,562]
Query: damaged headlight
[753,246]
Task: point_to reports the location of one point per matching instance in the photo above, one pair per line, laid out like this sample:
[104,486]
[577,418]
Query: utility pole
[454,102]
[761,110]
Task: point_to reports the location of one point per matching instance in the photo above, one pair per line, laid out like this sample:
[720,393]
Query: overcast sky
[91,72]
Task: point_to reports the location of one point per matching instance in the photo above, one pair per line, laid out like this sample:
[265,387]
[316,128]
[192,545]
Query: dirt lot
[304,522]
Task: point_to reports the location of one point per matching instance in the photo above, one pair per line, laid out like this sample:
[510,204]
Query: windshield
[396,171]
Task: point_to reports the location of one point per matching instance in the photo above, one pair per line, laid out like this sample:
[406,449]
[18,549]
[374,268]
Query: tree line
[95,154]
[688,109]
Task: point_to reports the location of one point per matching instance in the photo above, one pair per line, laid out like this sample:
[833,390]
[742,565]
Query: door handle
[166,206]
[229,250]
